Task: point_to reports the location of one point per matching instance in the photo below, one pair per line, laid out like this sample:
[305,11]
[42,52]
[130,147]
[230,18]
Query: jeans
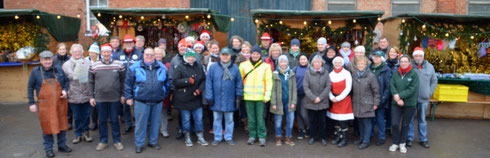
[301,114]
[379,121]
[128,118]
[144,113]
[186,120]
[243,110]
[289,123]
[422,122]
[94,115]
[365,128]
[403,114]
[81,114]
[48,140]
[108,111]
[218,127]
[318,123]
[256,122]
[164,123]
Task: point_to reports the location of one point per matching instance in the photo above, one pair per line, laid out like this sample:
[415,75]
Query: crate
[451,93]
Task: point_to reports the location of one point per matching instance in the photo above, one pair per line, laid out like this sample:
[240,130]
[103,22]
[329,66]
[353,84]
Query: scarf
[214,55]
[285,72]
[403,72]
[377,69]
[246,56]
[313,69]
[345,55]
[128,52]
[295,54]
[360,73]
[392,62]
[339,70]
[236,49]
[226,74]
[80,72]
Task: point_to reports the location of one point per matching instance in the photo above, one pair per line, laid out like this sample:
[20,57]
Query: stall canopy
[445,18]
[371,16]
[221,22]
[62,28]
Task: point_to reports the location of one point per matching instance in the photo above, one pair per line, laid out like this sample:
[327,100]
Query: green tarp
[222,22]
[64,29]
[445,18]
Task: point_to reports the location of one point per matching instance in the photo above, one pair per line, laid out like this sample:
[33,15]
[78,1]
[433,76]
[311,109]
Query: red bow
[125,25]
[95,31]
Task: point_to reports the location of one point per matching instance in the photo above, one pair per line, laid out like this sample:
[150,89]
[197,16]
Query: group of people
[243,83]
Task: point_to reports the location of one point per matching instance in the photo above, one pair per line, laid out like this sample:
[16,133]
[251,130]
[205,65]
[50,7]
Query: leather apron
[52,110]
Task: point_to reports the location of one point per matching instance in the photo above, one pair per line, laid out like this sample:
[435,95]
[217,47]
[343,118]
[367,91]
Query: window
[404,6]
[479,7]
[341,5]
[91,19]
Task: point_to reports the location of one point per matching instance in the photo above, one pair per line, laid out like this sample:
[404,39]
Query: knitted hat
[322,40]
[338,58]
[94,48]
[225,51]
[265,36]
[183,43]
[46,54]
[199,44]
[256,48]
[204,33]
[190,52]
[128,38]
[295,41]
[106,47]
[418,50]
[162,41]
[345,44]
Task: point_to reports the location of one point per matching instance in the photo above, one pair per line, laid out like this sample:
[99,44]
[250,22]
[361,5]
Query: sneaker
[215,142]
[251,141]
[262,142]
[230,142]
[278,141]
[165,134]
[77,140]
[380,142]
[289,141]
[119,146]
[101,146]
[301,135]
[154,146]
[86,136]
[393,147]
[211,132]
[403,149]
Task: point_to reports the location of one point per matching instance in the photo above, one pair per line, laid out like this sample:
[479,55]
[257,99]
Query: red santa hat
[106,47]
[183,43]
[205,33]
[418,50]
[265,36]
[128,38]
[199,44]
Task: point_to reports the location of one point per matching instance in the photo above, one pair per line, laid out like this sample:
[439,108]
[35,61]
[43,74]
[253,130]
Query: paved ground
[20,136]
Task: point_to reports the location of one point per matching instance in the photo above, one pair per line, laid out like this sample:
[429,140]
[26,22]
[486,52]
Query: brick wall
[150,4]
[378,5]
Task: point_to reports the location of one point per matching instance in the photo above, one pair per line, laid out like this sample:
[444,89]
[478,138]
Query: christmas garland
[14,36]
[315,29]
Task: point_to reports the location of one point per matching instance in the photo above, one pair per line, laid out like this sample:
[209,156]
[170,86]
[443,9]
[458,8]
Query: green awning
[258,13]
[221,22]
[64,29]
[444,18]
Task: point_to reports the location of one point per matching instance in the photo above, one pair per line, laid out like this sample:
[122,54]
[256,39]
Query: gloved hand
[191,80]
[197,92]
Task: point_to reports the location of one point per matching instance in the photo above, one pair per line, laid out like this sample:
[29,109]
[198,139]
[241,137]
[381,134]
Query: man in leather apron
[51,86]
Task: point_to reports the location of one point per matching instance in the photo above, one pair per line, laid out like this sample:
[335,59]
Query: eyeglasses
[149,55]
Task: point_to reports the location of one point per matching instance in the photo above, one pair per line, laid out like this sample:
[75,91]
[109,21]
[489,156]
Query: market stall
[458,47]
[172,24]
[356,27]
[23,34]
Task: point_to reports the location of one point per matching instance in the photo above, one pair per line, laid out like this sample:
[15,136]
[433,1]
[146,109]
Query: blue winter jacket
[384,78]
[223,92]
[146,84]
[300,72]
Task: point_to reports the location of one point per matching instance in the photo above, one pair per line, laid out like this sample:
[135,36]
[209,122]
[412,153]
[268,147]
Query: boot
[200,139]
[188,141]
[336,132]
[343,138]
[278,141]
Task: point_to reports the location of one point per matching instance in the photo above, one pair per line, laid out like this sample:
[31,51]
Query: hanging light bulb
[38,17]
[472,37]
[186,16]
[209,16]
[98,14]
[379,19]
[256,20]
[16,17]
[142,17]
[59,17]
[120,16]
[304,23]
[403,20]
[280,22]
[423,26]
[78,15]
[447,34]
[232,19]
[354,21]
[329,22]
[414,38]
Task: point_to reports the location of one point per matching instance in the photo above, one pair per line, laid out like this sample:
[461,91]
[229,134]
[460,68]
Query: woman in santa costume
[341,109]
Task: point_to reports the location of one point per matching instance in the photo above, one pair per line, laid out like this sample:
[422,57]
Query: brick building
[78,8]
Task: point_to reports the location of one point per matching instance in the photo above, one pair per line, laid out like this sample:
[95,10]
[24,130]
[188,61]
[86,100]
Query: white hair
[76,46]
[360,49]
[140,37]
[317,57]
